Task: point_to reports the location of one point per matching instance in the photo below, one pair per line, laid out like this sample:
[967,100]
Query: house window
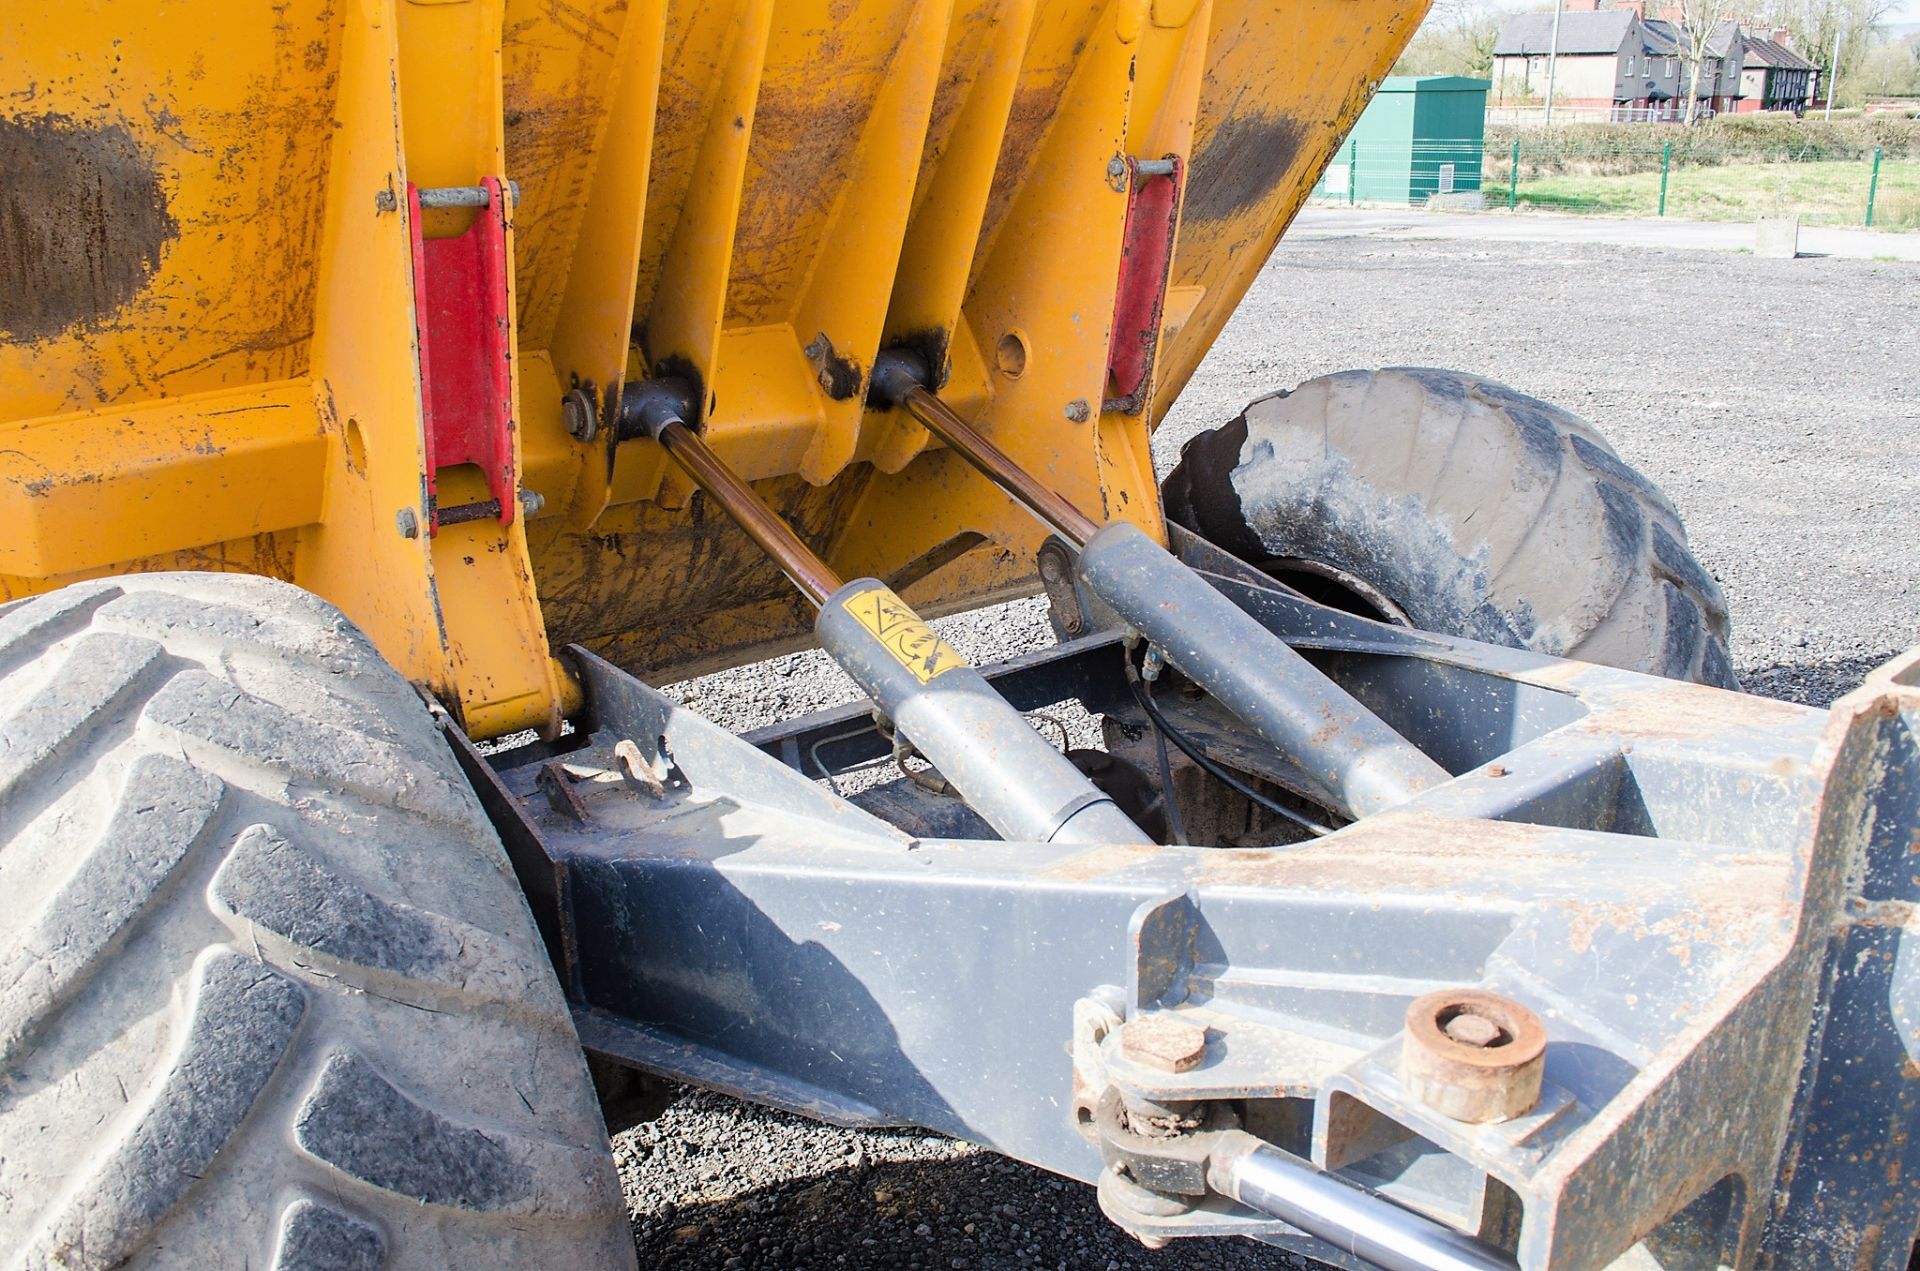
[1669,68]
[1629,66]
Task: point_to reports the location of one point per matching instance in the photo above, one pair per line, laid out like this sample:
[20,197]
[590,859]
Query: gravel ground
[1774,401]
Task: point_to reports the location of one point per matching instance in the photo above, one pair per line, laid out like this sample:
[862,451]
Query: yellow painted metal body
[208,347]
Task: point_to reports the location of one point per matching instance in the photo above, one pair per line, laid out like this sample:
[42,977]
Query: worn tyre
[1469,508]
[269,995]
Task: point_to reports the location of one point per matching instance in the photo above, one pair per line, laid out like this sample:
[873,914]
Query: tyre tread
[240,1025]
[1572,551]
[259,887]
[164,811]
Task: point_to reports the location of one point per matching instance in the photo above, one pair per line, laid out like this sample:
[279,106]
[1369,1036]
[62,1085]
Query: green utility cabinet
[1421,135]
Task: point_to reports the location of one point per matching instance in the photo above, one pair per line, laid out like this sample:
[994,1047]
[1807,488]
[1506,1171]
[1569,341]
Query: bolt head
[1078,411]
[1472,1030]
[1163,1043]
[407,521]
[576,411]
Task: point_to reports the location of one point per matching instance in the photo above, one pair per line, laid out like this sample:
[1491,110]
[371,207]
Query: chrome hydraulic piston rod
[1363,764]
[984,748]
[1261,1176]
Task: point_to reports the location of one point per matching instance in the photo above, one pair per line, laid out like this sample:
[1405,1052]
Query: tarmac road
[1500,226]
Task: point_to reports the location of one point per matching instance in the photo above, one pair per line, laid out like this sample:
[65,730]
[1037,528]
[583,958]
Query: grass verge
[1823,193]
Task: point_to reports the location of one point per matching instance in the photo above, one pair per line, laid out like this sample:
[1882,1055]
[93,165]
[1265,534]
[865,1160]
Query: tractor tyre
[269,994]
[1459,506]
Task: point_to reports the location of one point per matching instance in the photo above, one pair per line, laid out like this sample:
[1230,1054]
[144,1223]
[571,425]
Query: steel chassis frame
[1704,895]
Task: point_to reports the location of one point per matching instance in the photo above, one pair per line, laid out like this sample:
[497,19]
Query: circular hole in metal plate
[1010,355]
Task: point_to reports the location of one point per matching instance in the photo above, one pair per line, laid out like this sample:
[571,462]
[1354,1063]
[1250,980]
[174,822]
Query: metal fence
[1407,174]
[1536,116]
[1689,175]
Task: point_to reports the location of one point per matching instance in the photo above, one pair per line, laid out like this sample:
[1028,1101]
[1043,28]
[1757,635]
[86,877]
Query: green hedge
[1607,149]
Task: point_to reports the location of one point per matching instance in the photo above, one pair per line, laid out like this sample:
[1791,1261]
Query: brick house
[1719,77]
[1615,62]
[1774,76]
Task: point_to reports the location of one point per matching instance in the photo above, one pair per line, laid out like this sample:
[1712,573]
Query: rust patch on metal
[1418,850]
[556,783]
[83,222]
[1095,862]
[1163,1043]
[1691,712]
[1472,1055]
[1881,913]
[1242,164]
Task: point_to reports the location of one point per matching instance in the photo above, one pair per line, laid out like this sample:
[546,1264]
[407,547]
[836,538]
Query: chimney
[1783,37]
[1582,6]
[1637,7]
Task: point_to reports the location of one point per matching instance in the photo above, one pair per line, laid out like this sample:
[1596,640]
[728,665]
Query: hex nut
[1473,1056]
[1163,1043]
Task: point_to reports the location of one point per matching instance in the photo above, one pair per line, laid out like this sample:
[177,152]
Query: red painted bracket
[466,371]
[1146,256]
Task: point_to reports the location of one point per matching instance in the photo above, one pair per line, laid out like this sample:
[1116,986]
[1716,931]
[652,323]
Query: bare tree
[1816,23]
[1697,21]
[1891,68]
[1457,38]
[1477,37]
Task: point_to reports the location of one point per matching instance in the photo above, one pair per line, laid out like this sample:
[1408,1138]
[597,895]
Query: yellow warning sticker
[911,641]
